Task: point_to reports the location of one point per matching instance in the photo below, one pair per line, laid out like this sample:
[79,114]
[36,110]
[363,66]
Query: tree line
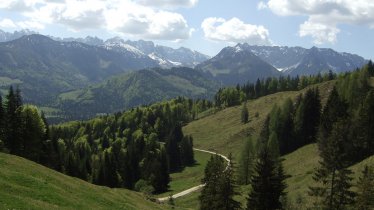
[23,130]
[232,96]
[135,149]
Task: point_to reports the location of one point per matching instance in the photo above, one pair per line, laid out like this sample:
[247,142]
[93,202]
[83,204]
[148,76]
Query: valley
[91,123]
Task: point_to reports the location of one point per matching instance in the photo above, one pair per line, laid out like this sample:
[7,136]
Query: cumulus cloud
[121,16]
[169,4]
[261,5]
[18,5]
[235,30]
[321,33]
[7,23]
[325,16]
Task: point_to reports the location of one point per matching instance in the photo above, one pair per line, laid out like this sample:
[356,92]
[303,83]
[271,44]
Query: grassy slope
[189,177]
[27,185]
[223,132]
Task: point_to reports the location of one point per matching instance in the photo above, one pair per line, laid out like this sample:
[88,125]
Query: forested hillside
[131,90]
[336,122]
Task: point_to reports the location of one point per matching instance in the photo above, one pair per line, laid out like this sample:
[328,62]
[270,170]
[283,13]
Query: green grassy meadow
[27,185]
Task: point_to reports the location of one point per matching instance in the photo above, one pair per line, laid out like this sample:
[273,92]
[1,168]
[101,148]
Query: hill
[223,131]
[25,184]
[235,65]
[43,68]
[135,89]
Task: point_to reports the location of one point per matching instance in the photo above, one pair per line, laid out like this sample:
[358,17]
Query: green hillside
[134,89]
[27,185]
[223,131]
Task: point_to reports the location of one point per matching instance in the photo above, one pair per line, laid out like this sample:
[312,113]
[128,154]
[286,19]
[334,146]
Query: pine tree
[333,179]
[187,154]
[268,183]
[307,117]
[246,162]
[209,198]
[2,121]
[244,114]
[33,133]
[286,136]
[334,110]
[365,190]
[13,129]
[173,149]
[219,186]
[228,187]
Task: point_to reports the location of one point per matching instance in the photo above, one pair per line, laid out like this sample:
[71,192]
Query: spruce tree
[365,190]
[219,186]
[228,187]
[173,148]
[246,162]
[13,129]
[333,179]
[187,154]
[268,183]
[244,114]
[2,121]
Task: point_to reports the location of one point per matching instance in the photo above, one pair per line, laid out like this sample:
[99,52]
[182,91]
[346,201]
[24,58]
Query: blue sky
[203,25]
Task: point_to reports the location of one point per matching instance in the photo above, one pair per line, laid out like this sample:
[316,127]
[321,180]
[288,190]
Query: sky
[203,25]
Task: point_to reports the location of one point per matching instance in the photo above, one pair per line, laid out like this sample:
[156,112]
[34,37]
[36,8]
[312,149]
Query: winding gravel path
[198,187]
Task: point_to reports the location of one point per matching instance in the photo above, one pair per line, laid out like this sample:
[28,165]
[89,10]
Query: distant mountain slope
[43,67]
[166,57]
[136,88]
[27,185]
[7,36]
[169,57]
[301,61]
[236,65]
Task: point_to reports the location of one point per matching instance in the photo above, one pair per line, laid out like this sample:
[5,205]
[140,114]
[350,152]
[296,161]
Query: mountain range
[300,61]
[84,72]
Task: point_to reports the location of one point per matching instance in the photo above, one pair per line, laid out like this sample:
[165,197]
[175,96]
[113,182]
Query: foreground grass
[190,176]
[27,185]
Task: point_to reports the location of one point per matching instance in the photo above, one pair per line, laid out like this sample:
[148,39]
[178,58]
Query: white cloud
[168,4]
[18,5]
[325,16]
[7,23]
[261,5]
[321,33]
[235,30]
[119,16]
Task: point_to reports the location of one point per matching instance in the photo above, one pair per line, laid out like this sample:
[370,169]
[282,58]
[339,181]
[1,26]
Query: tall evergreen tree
[228,187]
[2,121]
[246,162]
[268,184]
[365,190]
[307,117]
[333,179]
[13,130]
[33,133]
[173,148]
[219,186]
[187,154]
[244,113]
